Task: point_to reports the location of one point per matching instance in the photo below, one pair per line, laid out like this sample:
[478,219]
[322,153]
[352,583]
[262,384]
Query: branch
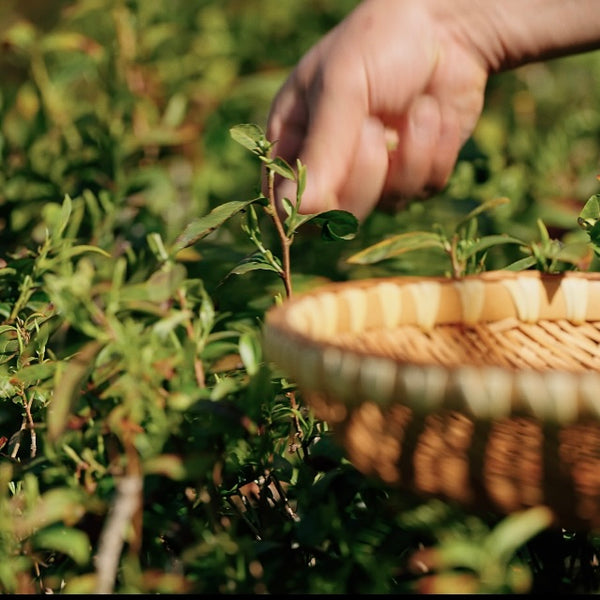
[113,533]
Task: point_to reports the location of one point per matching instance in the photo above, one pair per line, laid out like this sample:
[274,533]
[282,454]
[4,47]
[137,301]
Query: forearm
[515,32]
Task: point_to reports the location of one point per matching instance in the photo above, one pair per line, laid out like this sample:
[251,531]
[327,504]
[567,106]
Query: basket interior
[515,321]
[544,345]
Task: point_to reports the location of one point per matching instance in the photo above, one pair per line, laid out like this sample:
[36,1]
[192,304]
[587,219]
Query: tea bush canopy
[146,445]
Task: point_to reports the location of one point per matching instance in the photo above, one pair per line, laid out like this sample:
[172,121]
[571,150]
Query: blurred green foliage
[144,444]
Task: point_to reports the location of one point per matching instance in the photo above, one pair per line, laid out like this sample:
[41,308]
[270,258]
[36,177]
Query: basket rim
[320,365]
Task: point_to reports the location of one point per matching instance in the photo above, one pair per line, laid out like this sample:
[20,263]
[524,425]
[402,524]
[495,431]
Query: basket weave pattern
[484,390]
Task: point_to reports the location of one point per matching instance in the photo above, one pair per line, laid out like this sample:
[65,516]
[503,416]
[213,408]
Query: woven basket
[483,390]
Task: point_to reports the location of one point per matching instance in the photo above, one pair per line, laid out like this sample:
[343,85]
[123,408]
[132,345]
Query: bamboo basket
[483,390]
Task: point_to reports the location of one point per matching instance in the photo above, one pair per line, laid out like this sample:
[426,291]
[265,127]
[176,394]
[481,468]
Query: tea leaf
[590,213]
[514,530]
[337,224]
[485,206]
[521,264]
[301,177]
[250,352]
[201,227]
[34,373]
[279,166]
[67,387]
[577,254]
[248,135]
[66,540]
[395,245]
[474,246]
[256,262]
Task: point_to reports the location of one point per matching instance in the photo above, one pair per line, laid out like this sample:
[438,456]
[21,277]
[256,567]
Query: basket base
[502,466]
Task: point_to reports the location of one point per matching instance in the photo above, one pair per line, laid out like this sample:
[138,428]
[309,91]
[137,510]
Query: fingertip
[411,161]
[314,199]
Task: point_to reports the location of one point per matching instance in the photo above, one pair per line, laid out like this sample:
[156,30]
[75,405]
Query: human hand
[383,103]
[410,73]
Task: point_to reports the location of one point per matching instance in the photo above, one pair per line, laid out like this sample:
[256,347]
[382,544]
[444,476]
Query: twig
[31,424]
[241,513]
[457,268]
[113,533]
[285,240]
[18,435]
[284,499]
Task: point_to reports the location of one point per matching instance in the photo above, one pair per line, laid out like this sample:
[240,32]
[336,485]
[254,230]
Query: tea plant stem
[17,445]
[452,250]
[246,520]
[286,242]
[31,425]
[284,499]
[295,409]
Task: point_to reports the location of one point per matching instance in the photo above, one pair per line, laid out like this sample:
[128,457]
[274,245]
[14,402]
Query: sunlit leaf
[521,264]
[250,352]
[67,387]
[487,242]
[66,540]
[248,135]
[483,207]
[396,245]
[201,227]
[33,373]
[577,254]
[255,262]
[279,166]
[590,213]
[514,531]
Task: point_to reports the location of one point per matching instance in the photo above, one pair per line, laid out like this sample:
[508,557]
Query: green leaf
[398,244]
[82,249]
[590,213]
[223,388]
[39,339]
[67,387]
[594,235]
[162,284]
[255,262]
[289,209]
[337,224]
[168,465]
[249,135]
[250,352]
[33,373]
[485,206]
[201,227]
[66,540]
[472,247]
[279,166]
[544,235]
[164,327]
[301,176]
[57,218]
[9,343]
[157,246]
[522,264]
[514,531]
[578,254]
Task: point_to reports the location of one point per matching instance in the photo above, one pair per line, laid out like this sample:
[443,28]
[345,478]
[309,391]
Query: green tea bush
[145,445]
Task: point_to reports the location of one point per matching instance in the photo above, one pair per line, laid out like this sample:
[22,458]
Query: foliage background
[145,446]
